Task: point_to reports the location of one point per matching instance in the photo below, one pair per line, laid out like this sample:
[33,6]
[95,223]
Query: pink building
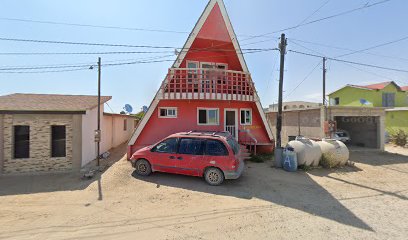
[208,88]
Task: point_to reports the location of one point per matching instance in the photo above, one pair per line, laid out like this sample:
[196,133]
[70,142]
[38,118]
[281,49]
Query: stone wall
[40,143]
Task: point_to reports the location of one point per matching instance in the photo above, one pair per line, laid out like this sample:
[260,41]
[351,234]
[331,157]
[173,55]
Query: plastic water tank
[308,151]
[335,153]
[289,161]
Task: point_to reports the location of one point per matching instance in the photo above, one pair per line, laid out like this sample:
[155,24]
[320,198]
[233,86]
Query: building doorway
[231,122]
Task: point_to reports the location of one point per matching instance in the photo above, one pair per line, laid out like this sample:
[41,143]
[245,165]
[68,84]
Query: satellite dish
[145,109]
[364,102]
[128,108]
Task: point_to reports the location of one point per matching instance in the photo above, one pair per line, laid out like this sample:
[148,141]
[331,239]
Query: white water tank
[308,151]
[335,153]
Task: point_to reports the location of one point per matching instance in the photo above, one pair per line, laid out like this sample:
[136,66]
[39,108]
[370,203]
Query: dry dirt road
[368,201]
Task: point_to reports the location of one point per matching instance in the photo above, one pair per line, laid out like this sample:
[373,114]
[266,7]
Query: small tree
[399,138]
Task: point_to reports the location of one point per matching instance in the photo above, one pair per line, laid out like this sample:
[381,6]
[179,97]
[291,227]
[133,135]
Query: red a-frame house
[208,88]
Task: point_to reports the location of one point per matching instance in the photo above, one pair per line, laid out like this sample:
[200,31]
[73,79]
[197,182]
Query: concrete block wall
[40,144]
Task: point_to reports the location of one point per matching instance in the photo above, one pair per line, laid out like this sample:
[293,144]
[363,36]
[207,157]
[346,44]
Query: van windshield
[234,145]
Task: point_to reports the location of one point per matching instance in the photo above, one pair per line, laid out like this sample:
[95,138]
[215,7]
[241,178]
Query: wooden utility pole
[282,48]
[324,89]
[324,81]
[98,138]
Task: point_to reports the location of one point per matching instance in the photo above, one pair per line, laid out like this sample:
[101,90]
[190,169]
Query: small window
[208,117]
[124,124]
[58,141]
[167,146]
[168,112]
[216,148]
[246,117]
[388,99]
[191,146]
[21,141]
[336,101]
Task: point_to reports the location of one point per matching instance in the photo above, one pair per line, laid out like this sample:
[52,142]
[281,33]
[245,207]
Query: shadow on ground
[378,158]
[293,190]
[52,182]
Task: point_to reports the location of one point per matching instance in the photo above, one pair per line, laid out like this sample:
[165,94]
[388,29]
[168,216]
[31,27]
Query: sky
[137,84]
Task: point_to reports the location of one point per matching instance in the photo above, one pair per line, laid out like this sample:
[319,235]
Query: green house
[387,94]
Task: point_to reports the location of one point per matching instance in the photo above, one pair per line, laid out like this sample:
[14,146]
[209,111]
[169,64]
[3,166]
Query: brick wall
[40,144]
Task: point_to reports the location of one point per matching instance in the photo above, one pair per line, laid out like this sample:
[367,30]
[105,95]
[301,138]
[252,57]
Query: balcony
[208,84]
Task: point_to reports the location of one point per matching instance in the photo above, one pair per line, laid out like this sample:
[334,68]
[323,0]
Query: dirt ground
[367,201]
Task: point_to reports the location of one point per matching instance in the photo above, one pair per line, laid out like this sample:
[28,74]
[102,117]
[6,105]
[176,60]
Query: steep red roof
[405,88]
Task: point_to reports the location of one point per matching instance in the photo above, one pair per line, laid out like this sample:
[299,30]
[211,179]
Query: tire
[214,176]
[143,167]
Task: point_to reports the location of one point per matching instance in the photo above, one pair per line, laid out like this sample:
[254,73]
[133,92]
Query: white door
[231,122]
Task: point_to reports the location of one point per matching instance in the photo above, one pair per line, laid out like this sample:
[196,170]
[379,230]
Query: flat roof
[42,103]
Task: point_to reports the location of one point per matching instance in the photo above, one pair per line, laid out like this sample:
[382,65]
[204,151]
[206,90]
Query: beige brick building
[52,133]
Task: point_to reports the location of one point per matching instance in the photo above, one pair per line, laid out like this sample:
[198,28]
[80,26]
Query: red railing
[199,83]
[247,138]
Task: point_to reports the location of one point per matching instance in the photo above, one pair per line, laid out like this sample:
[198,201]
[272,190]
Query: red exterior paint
[212,44]
[159,128]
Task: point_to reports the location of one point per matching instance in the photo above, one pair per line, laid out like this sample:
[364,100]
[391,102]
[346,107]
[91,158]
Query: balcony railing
[214,84]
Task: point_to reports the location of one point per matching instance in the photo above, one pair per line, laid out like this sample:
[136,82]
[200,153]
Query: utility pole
[98,133]
[324,81]
[282,48]
[324,89]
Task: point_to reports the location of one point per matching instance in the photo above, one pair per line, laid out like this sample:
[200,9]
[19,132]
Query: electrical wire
[304,79]
[365,6]
[351,62]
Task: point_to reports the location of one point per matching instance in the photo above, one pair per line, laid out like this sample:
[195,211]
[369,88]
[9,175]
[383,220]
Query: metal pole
[282,48]
[99,111]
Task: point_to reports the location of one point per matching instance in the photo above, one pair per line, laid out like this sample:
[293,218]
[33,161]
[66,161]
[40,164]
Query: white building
[49,133]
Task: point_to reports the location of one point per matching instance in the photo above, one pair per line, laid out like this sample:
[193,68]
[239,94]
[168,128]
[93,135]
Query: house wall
[396,120]
[300,122]
[89,125]
[113,133]
[1,143]
[158,128]
[350,96]
[40,143]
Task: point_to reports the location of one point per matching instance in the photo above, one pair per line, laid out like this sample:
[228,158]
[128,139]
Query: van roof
[211,134]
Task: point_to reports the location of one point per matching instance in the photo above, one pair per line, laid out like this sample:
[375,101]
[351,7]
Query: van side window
[216,148]
[167,146]
[191,146]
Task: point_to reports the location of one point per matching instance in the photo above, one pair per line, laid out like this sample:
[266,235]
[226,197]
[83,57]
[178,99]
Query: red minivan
[213,155]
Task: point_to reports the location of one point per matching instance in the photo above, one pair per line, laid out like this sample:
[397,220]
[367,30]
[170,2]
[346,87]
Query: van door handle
[180,158]
[172,157]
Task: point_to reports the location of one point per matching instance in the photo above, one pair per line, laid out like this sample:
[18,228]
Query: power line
[347,49]
[311,15]
[321,19]
[373,47]
[92,26]
[351,62]
[304,79]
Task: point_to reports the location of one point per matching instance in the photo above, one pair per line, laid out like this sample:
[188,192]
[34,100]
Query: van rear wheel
[143,167]
[214,176]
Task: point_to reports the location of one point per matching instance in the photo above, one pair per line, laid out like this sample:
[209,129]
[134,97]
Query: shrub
[399,138]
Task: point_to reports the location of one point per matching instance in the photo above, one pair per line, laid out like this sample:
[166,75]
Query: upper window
[191,146]
[124,124]
[167,146]
[336,101]
[21,141]
[192,64]
[216,148]
[388,99]
[208,117]
[168,112]
[246,116]
[58,141]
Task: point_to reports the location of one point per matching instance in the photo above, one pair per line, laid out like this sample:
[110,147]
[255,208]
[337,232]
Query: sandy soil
[368,201]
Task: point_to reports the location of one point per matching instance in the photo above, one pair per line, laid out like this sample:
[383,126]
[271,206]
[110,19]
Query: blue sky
[137,84]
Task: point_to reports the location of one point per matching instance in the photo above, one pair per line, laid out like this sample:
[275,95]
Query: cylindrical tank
[335,153]
[289,161]
[308,151]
